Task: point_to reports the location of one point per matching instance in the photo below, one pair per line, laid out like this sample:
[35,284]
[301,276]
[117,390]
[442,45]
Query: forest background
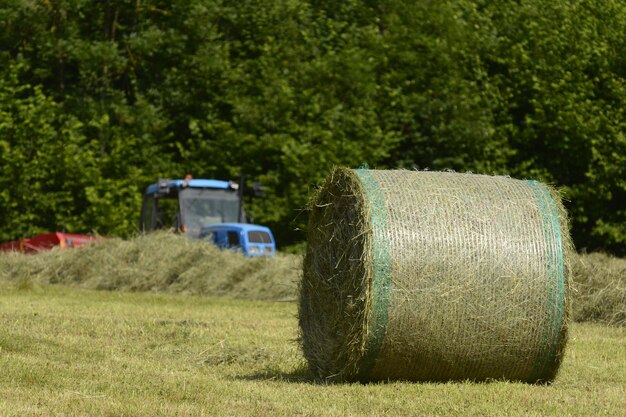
[98,99]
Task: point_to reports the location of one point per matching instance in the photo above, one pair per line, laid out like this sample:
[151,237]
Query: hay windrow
[600,289]
[435,276]
[158,262]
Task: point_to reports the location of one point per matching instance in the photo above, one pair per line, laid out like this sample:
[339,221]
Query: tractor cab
[187,205]
[211,210]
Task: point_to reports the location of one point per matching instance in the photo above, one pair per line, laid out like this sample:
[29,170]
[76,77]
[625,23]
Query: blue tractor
[206,209]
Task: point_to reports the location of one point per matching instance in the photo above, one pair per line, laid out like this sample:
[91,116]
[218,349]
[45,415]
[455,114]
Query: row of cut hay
[157,262]
[600,289]
[166,262]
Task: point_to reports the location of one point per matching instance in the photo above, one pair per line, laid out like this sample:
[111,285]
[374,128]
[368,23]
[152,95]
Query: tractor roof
[199,183]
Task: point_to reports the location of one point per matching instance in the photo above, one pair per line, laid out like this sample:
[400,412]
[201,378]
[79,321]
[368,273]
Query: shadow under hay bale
[434,276]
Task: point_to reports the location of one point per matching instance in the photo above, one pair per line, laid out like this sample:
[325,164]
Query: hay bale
[434,276]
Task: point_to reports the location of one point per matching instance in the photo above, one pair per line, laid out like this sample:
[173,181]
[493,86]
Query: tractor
[206,209]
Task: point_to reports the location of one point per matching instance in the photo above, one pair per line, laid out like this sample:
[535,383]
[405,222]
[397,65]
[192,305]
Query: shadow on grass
[301,375]
[304,376]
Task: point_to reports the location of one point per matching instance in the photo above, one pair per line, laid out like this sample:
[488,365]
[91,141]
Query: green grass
[70,351]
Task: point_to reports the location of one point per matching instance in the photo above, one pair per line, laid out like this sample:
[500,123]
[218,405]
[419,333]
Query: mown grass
[158,262]
[164,262]
[600,289]
[70,351]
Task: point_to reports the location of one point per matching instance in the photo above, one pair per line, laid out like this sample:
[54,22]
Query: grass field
[72,351]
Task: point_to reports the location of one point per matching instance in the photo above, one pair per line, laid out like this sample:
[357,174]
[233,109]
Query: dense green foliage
[98,99]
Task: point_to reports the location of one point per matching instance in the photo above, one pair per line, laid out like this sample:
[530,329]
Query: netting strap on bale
[556,273]
[382,272]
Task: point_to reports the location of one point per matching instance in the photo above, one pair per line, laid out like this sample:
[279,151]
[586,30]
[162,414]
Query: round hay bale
[434,276]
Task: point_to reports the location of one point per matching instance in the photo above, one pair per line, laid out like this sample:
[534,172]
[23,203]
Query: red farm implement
[47,241]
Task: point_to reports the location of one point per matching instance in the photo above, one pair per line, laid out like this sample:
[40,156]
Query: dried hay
[600,289]
[157,262]
[434,276]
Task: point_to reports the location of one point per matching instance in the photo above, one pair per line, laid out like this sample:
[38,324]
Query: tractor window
[204,207]
[167,213]
[147,211]
[233,239]
[259,236]
[159,213]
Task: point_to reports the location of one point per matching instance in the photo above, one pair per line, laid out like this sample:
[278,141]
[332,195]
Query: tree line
[98,99]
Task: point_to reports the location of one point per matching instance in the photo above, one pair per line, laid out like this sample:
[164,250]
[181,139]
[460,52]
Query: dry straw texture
[600,289]
[434,276]
[157,262]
